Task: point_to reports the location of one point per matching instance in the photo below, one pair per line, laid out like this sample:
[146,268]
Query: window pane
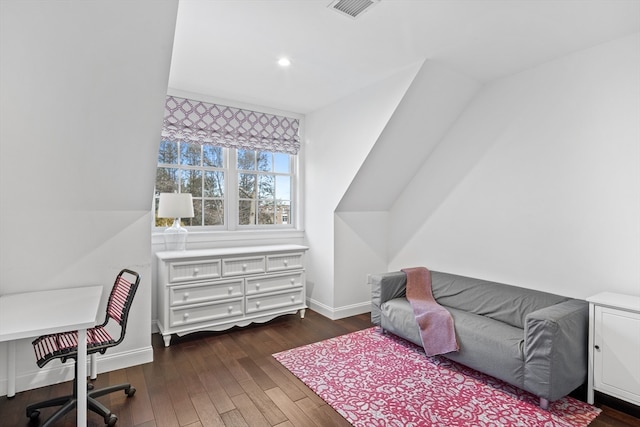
[283,212]
[266,186]
[246,212]
[166,180]
[212,156]
[267,212]
[213,212]
[168,153]
[213,184]
[283,187]
[265,161]
[246,160]
[192,182]
[246,186]
[281,162]
[190,153]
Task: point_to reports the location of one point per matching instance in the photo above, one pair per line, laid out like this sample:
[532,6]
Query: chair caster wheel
[130,391]
[111,420]
[34,415]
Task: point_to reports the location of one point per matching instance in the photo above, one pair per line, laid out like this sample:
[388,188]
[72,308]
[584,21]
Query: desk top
[31,314]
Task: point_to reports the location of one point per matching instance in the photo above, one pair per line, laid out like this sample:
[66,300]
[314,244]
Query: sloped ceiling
[229,49]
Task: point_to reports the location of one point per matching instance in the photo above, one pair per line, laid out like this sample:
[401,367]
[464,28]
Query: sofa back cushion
[507,303]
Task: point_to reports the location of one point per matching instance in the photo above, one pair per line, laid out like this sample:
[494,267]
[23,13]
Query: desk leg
[11,368]
[82,378]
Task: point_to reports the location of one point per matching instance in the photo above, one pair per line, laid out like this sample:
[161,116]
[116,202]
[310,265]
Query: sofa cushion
[506,303]
[488,345]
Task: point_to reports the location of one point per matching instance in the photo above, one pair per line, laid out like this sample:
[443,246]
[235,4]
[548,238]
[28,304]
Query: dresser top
[621,301]
[240,250]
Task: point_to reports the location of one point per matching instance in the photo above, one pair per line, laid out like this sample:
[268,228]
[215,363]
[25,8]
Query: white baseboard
[57,372]
[339,312]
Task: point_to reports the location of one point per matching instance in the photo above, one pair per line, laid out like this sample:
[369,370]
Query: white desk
[31,314]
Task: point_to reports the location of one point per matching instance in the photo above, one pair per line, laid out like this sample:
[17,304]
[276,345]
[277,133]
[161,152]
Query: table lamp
[175,205]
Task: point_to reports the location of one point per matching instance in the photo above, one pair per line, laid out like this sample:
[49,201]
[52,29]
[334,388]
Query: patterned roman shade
[187,120]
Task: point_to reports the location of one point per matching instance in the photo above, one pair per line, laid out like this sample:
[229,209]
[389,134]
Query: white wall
[538,183]
[337,140]
[83,86]
[432,103]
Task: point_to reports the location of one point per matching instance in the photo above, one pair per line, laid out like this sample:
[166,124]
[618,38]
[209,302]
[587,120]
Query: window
[260,184]
[239,165]
[264,187]
[197,169]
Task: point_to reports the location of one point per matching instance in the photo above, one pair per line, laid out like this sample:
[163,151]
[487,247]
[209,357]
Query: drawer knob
[230,289]
[195,271]
[244,266]
[293,298]
[185,296]
[597,347]
[257,303]
[185,316]
[286,262]
[257,286]
[293,281]
[230,308]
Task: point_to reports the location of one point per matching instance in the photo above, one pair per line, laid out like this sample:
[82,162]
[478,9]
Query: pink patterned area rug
[375,379]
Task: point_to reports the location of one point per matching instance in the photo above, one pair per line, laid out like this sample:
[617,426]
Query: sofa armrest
[556,349]
[385,287]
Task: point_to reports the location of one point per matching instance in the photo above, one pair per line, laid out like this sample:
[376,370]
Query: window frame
[231,196]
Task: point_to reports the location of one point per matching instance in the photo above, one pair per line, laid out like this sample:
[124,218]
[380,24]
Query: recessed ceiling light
[284,62]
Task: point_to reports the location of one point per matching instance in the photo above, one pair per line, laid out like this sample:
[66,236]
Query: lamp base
[175,237]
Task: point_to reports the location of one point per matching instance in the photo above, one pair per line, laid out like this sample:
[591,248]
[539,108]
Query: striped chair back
[121,297]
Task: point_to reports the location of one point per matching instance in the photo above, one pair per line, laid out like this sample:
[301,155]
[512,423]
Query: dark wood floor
[225,379]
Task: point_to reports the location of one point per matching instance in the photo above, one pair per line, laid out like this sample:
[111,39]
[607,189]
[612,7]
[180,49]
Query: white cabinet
[216,289]
[614,346]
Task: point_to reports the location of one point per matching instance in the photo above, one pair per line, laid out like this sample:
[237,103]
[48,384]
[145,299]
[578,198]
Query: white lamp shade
[175,205]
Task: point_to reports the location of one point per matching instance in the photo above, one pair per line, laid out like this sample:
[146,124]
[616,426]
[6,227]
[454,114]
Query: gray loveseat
[534,340]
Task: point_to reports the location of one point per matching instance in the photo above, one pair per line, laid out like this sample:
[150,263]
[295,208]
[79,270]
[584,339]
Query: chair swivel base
[67,403]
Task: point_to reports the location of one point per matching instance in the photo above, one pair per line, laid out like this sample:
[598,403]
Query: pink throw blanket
[435,322]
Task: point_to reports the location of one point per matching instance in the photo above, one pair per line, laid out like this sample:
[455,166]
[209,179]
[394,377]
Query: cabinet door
[616,353]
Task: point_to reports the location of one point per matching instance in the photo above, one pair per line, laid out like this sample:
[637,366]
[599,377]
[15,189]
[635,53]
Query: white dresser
[216,289]
[614,346]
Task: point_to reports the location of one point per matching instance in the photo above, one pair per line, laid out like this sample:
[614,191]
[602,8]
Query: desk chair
[64,346]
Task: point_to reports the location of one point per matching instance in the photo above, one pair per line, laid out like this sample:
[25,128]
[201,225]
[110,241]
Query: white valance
[187,120]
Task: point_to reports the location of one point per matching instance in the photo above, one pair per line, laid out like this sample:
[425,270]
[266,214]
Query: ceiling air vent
[352,8]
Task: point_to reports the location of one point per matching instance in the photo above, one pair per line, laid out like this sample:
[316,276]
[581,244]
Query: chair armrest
[385,287]
[556,349]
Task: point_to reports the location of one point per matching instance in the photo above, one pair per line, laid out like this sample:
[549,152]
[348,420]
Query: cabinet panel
[288,261]
[207,291]
[616,351]
[266,302]
[194,270]
[205,312]
[273,282]
[242,266]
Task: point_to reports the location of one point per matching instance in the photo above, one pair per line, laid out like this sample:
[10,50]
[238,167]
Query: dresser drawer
[201,292]
[242,266]
[274,282]
[194,270]
[286,261]
[197,313]
[259,302]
